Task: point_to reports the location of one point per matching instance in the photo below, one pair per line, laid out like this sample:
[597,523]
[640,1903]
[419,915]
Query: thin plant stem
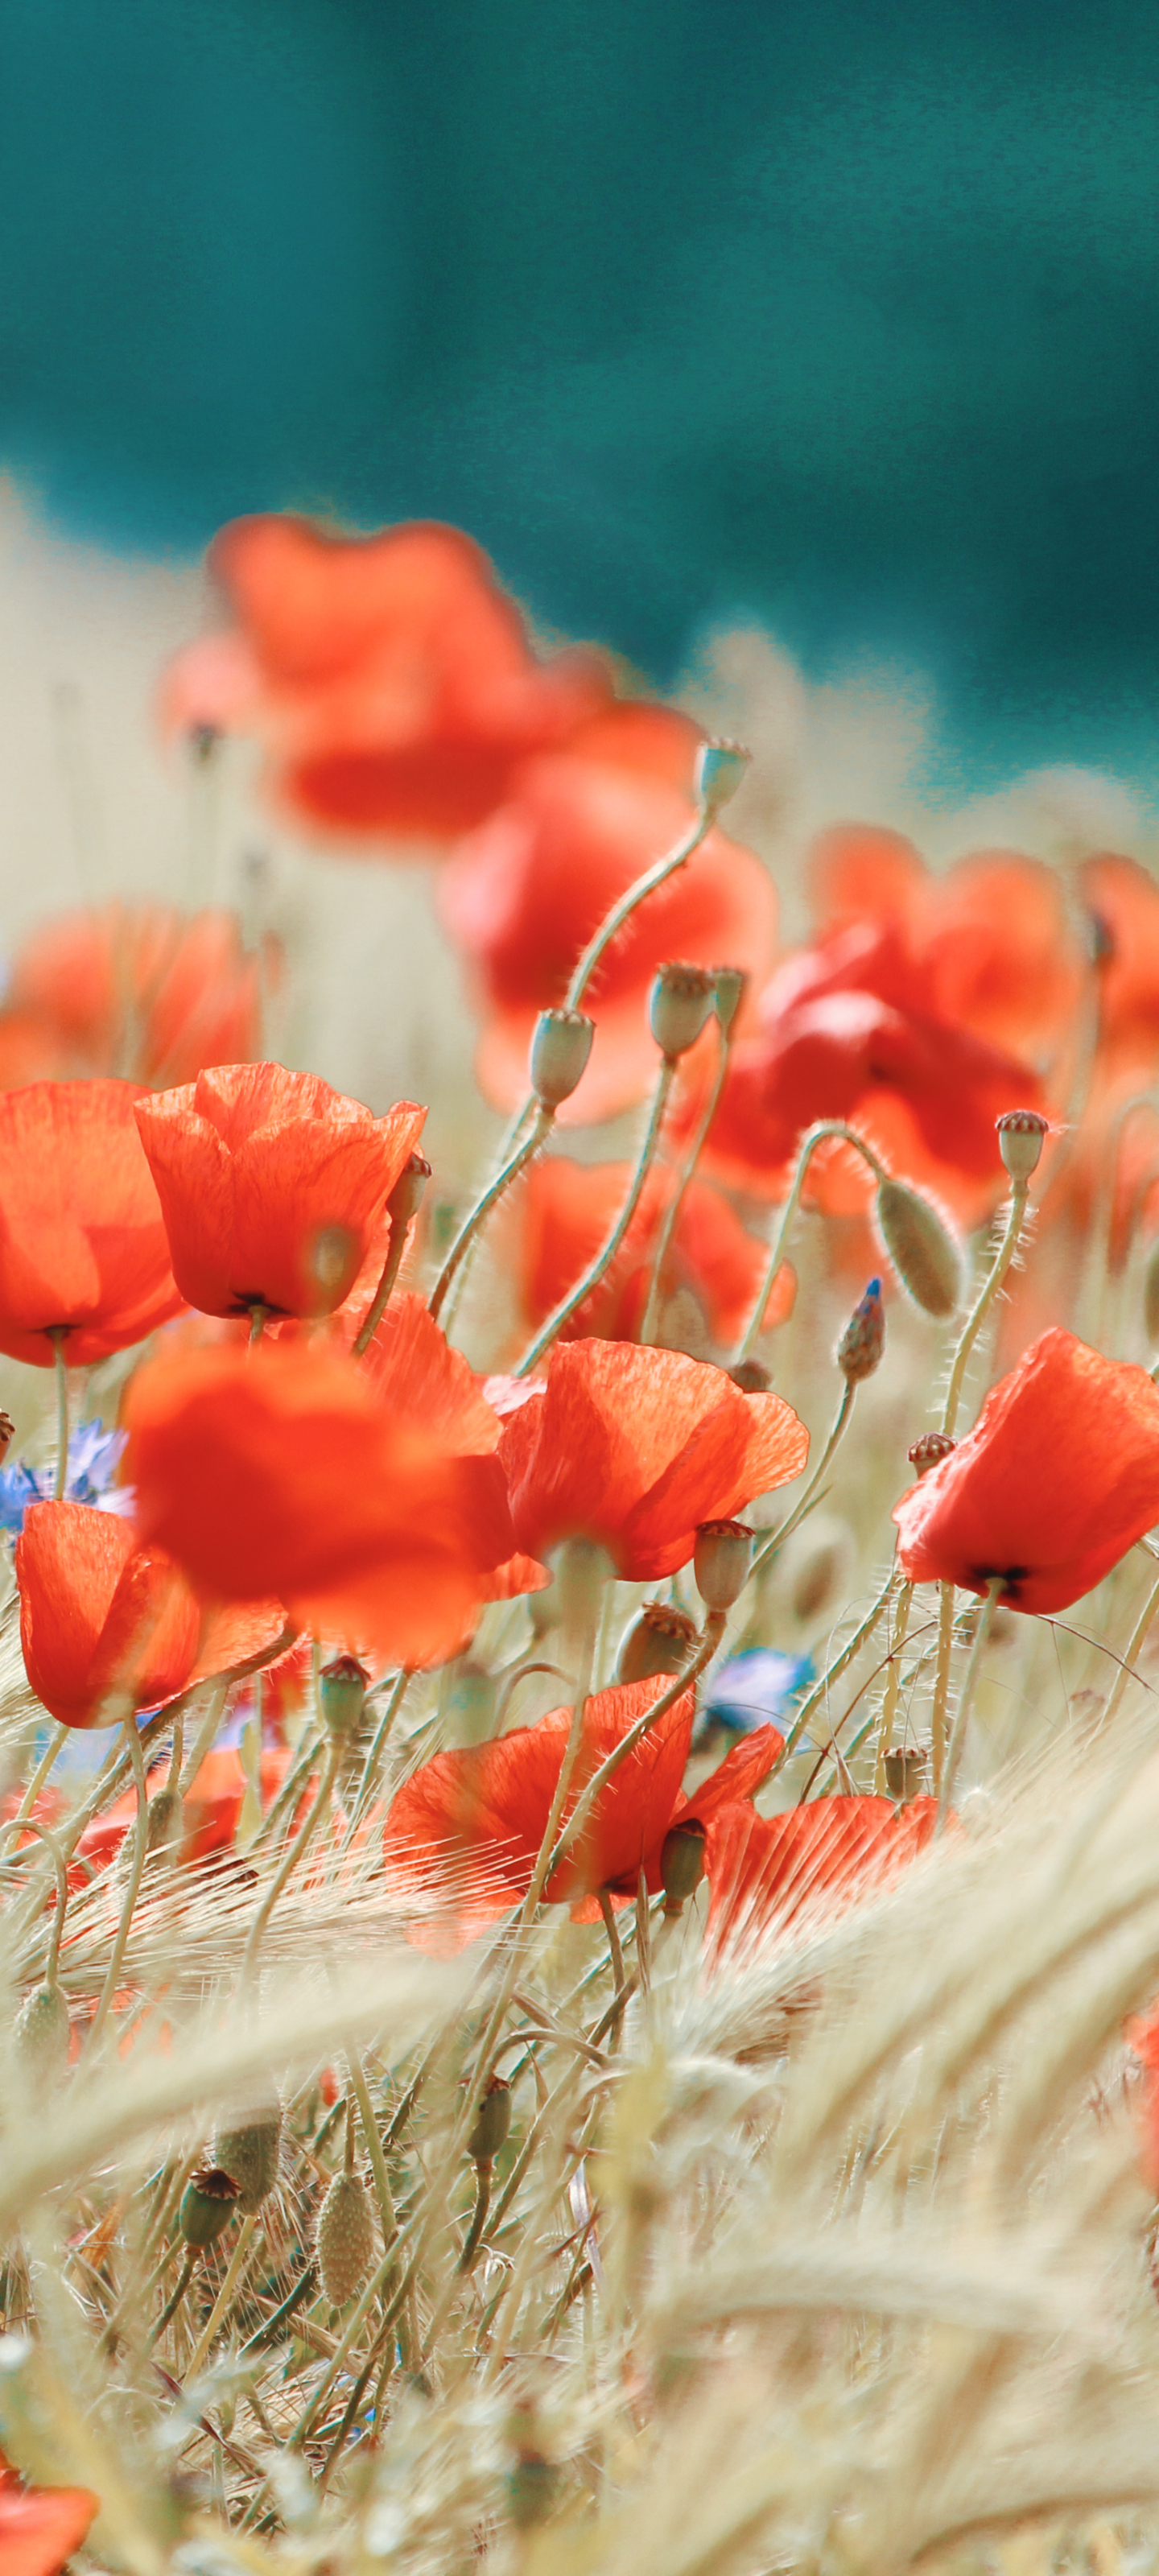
[818,1135]
[892,1687]
[290,1860]
[373,1762]
[57,1735]
[171,2306]
[1138,1634]
[687,1169]
[966,1697]
[373,2143]
[132,1891]
[833,1672]
[28,1825]
[638,893]
[375,1312]
[984,1299]
[258,1315]
[290,1791]
[57,1340]
[224,2300]
[942,1681]
[804,1501]
[516,1162]
[592,1276]
[483,2172]
[684,1681]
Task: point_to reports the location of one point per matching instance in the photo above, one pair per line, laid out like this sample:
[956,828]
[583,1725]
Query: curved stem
[25,1825]
[686,1680]
[840,1664]
[801,1506]
[892,1687]
[57,1340]
[373,1762]
[290,1860]
[510,1171]
[966,1697]
[391,1267]
[942,1681]
[136,1868]
[57,1735]
[223,2301]
[1125,1672]
[613,922]
[676,1202]
[483,2173]
[987,1292]
[818,1135]
[171,2306]
[595,1270]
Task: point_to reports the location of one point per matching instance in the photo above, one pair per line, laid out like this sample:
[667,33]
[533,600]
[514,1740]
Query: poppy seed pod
[559,1055]
[730,983]
[207,2205]
[342,1692]
[678,1006]
[1151,1296]
[721,1562]
[492,2122]
[920,1246]
[344,2239]
[660,1640]
[681,1864]
[1021,1134]
[250,2154]
[720,768]
[863,1340]
[929,1451]
[904,1772]
[42,2031]
[406,1198]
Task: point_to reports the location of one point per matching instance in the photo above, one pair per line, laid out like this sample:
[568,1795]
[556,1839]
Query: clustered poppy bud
[863,1339]
[660,1640]
[207,2204]
[492,2122]
[344,2239]
[250,2155]
[1021,1133]
[722,1561]
[920,1246]
[929,1451]
[720,768]
[681,1864]
[407,1196]
[679,1004]
[559,1055]
[904,1772]
[730,984]
[342,1693]
[751,1376]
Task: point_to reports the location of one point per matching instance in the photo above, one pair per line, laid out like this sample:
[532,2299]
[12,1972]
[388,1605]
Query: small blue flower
[94,1455]
[751,1690]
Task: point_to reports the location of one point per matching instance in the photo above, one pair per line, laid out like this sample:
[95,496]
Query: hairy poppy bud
[492,2122]
[681,1864]
[730,984]
[751,1377]
[660,1640]
[559,1055]
[341,1693]
[679,1004]
[344,2239]
[165,1829]
[904,1771]
[250,2154]
[1021,1133]
[42,2032]
[930,1450]
[407,1196]
[721,1562]
[7,1433]
[720,768]
[921,1248]
[1151,1297]
[863,1339]
[208,2202]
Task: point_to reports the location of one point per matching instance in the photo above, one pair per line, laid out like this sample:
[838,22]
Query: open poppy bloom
[769,1872]
[466,1829]
[523,895]
[635,1448]
[273,1186]
[41,2526]
[286,1473]
[140,988]
[103,1620]
[83,1249]
[390,677]
[564,1211]
[1057,1479]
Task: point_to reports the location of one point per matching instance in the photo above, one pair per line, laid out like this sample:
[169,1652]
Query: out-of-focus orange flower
[273,1186]
[285,1473]
[83,1249]
[1057,1479]
[523,895]
[99,1617]
[769,1872]
[138,989]
[41,2526]
[635,1448]
[564,1211]
[390,677]
[1123,902]
[429,1389]
[212,1809]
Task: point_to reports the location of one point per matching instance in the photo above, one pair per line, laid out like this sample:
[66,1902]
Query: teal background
[845,316]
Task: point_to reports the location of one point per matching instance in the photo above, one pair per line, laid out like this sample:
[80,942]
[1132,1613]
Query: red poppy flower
[1057,1479]
[634,1448]
[213,1803]
[285,1473]
[390,676]
[100,1616]
[564,1211]
[139,987]
[469,1824]
[524,894]
[768,1872]
[1123,902]
[41,2526]
[273,1186]
[429,1389]
[83,1249]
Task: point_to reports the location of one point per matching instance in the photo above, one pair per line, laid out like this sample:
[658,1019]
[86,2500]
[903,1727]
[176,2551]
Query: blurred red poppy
[564,1211]
[1057,1479]
[523,895]
[140,989]
[1122,900]
[83,1250]
[273,1186]
[284,1472]
[770,1872]
[429,1389]
[390,677]
[212,1808]
[41,2526]
[634,1448]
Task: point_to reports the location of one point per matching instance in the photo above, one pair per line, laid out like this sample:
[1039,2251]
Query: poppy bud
[904,1770]
[659,1641]
[407,1196]
[1151,1297]
[341,1693]
[751,1377]
[730,983]
[334,1258]
[165,1829]
[930,1450]
[863,1339]
[920,1246]
[679,1004]
[344,2239]
[42,2032]
[250,2154]
[1020,1140]
[207,2205]
[7,1433]
[681,1864]
[721,1562]
[559,1055]
[531,2487]
[720,768]
[492,2122]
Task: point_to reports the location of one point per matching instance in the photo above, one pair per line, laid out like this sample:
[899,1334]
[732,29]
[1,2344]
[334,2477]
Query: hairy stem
[517,1161]
[606,1255]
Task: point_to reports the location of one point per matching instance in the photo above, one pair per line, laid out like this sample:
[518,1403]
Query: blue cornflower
[93,1458]
[751,1690]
